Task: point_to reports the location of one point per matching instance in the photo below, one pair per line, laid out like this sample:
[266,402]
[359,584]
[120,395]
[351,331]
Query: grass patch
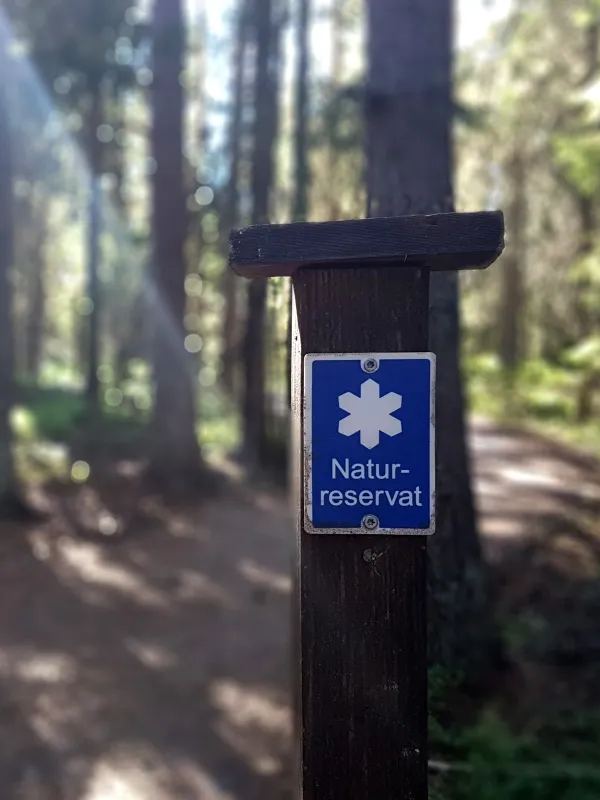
[51,426]
[488,760]
[50,414]
[540,396]
[57,414]
[219,426]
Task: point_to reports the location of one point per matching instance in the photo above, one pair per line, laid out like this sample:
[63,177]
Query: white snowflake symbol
[370,414]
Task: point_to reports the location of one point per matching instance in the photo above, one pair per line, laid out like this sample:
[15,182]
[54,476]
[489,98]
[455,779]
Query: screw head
[370,522]
[370,365]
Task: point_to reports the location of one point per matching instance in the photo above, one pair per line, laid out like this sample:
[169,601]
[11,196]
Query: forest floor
[155,665]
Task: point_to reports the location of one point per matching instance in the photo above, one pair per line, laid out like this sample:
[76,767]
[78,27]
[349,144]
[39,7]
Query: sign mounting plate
[369,443]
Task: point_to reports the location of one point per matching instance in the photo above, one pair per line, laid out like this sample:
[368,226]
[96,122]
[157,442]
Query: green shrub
[538,390]
[489,761]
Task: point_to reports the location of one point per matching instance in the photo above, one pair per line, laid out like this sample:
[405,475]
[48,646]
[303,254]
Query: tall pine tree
[409,119]
[175,455]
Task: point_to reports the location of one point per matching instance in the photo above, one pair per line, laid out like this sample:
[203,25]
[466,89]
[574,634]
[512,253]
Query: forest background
[135,365]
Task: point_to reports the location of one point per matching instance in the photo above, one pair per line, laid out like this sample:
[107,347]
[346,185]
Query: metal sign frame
[309,360]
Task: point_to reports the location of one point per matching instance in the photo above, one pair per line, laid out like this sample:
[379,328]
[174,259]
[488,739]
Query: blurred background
[146,541]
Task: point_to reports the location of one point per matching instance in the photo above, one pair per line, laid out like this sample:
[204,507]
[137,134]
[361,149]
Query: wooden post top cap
[437,241]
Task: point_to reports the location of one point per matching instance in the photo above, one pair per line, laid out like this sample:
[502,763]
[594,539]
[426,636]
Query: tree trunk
[586,319]
[410,164]
[175,456]
[10,502]
[30,225]
[6,310]
[511,308]
[337,74]
[265,131]
[302,166]
[119,315]
[230,331]
[37,303]
[93,251]
[302,178]
[587,230]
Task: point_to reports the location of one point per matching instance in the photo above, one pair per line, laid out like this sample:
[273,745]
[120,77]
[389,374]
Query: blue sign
[369,443]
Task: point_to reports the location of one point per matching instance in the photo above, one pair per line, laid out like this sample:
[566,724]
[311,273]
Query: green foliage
[527,634]
[537,390]
[57,414]
[341,119]
[536,74]
[219,432]
[539,395]
[439,683]
[47,413]
[502,764]
[585,355]
[490,761]
[546,391]
[441,687]
[579,158]
[77,41]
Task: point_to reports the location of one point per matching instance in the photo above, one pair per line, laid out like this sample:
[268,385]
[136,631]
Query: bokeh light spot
[113,397]
[107,525]
[193,285]
[80,472]
[105,373]
[144,76]
[109,181]
[105,133]
[62,85]
[193,343]
[204,196]
[142,402]
[85,306]
[134,15]
[207,376]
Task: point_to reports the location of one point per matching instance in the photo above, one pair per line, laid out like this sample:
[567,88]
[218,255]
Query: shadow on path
[144,650]
[539,507]
[155,667]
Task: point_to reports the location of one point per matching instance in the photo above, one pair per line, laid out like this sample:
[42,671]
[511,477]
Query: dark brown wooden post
[362,286]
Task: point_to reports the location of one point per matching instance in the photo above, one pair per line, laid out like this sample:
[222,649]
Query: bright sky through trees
[473,20]
[474,16]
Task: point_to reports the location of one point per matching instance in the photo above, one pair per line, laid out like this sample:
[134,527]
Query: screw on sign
[370,522]
[370,365]
[364,475]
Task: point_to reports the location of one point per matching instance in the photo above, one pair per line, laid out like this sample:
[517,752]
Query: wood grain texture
[362,689]
[437,241]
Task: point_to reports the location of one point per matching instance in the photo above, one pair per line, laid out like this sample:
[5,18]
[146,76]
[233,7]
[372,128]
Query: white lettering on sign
[360,472]
[377,497]
[370,470]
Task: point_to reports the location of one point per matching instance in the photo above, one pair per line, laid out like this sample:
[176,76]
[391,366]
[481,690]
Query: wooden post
[362,286]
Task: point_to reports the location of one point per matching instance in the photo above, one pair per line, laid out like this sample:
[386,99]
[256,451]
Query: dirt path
[152,669]
[530,487]
[540,512]
[157,667]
